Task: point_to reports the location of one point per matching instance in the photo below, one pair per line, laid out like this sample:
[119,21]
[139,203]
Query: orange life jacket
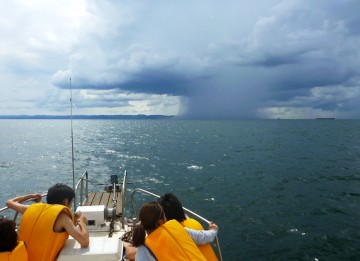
[19,253]
[206,249]
[171,241]
[36,230]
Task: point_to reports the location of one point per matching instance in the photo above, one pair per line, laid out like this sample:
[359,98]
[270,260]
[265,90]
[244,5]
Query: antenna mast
[72,143]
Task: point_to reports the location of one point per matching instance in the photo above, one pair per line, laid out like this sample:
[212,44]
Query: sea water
[278,189]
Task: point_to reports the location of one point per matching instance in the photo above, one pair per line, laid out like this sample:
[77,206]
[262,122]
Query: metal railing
[82,187]
[83,194]
[25,201]
[123,195]
[84,177]
[218,250]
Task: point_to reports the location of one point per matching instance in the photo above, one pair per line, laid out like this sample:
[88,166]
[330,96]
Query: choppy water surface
[279,190]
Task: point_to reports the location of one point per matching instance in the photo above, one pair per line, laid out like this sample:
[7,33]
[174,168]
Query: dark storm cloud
[150,82]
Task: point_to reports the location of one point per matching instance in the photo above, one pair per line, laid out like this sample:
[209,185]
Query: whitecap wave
[133,157]
[296,231]
[154,180]
[195,167]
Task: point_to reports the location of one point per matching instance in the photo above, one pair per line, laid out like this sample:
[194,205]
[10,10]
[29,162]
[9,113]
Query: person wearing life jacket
[174,210]
[167,240]
[10,248]
[45,227]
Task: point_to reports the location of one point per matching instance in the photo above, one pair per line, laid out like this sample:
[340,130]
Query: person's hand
[213,226]
[36,197]
[81,219]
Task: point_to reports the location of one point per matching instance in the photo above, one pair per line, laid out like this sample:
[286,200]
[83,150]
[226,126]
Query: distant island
[324,118]
[87,117]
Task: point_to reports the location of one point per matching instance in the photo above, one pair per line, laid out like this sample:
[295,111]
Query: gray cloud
[210,59]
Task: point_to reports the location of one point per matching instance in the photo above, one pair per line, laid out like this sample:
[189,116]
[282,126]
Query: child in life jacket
[167,240]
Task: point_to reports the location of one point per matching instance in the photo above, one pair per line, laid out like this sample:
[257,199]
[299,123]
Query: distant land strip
[87,117]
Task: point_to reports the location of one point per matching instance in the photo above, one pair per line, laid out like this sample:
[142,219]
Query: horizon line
[95,116]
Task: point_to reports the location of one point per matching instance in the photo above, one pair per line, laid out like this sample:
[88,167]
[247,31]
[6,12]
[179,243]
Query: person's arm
[80,234]
[143,254]
[201,237]
[130,250]
[15,203]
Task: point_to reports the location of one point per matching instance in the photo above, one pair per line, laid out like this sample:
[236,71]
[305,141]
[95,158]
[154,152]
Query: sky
[263,59]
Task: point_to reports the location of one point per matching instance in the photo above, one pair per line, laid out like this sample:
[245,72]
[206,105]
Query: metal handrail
[185,209]
[16,212]
[79,183]
[84,178]
[123,195]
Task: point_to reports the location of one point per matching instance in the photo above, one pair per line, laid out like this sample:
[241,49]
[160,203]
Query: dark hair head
[58,193]
[172,207]
[149,216]
[8,235]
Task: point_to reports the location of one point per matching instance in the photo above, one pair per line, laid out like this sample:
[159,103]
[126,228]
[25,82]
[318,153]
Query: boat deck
[104,198]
